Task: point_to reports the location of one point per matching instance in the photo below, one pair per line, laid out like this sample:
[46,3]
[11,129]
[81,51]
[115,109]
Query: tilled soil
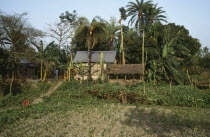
[110,120]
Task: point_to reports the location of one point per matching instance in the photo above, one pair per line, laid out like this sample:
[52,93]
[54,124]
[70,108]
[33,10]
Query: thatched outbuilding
[125,71]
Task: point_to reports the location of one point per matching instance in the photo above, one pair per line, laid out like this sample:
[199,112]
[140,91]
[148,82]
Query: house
[29,69]
[96,69]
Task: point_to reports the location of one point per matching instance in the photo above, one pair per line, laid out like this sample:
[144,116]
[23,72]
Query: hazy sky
[193,14]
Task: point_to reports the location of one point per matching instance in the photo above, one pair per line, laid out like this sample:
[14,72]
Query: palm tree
[154,14]
[92,33]
[112,29]
[138,11]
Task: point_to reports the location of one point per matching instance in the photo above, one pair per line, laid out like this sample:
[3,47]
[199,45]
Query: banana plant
[46,61]
[101,64]
[69,67]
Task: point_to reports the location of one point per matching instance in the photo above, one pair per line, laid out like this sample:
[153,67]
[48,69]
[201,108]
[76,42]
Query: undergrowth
[29,91]
[67,97]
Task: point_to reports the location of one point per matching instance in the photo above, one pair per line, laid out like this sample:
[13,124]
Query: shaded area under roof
[82,56]
[125,69]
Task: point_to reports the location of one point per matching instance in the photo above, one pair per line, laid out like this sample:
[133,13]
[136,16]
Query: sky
[194,15]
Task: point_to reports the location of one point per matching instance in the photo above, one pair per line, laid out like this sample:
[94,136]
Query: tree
[71,21]
[61,32]
[171,54]
[204,58]
[132,49]
[112,29]
[154,14]
[138,11]
[91,33]
[16,35]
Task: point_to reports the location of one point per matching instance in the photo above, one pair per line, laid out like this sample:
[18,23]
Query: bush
[28,91]
[10,100]
[16,88]
[185,96]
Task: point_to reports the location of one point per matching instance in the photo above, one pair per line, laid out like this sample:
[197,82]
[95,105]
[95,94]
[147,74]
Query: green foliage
[91,33]
[123,13]
[16,87]
[185,96]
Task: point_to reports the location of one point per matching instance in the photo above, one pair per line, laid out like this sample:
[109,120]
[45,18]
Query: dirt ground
[48,93]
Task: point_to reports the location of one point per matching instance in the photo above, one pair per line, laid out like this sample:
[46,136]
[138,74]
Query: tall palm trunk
[122,46]
[143,65]
[89,58]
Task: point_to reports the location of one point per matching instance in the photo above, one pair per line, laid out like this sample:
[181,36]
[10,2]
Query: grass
[70,111]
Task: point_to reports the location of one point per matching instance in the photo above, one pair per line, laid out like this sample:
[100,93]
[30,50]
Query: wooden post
[143,59]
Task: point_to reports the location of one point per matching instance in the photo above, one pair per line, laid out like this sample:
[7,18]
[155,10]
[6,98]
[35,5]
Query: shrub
[185,96]
[10,100]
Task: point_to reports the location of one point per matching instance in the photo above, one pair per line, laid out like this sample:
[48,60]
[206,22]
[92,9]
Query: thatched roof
[125,69]
[82,56]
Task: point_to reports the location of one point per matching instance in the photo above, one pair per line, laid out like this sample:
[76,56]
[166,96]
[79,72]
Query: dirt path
[47,94]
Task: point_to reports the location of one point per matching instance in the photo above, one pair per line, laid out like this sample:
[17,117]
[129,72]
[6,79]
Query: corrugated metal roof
[24,61]
[82,56]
